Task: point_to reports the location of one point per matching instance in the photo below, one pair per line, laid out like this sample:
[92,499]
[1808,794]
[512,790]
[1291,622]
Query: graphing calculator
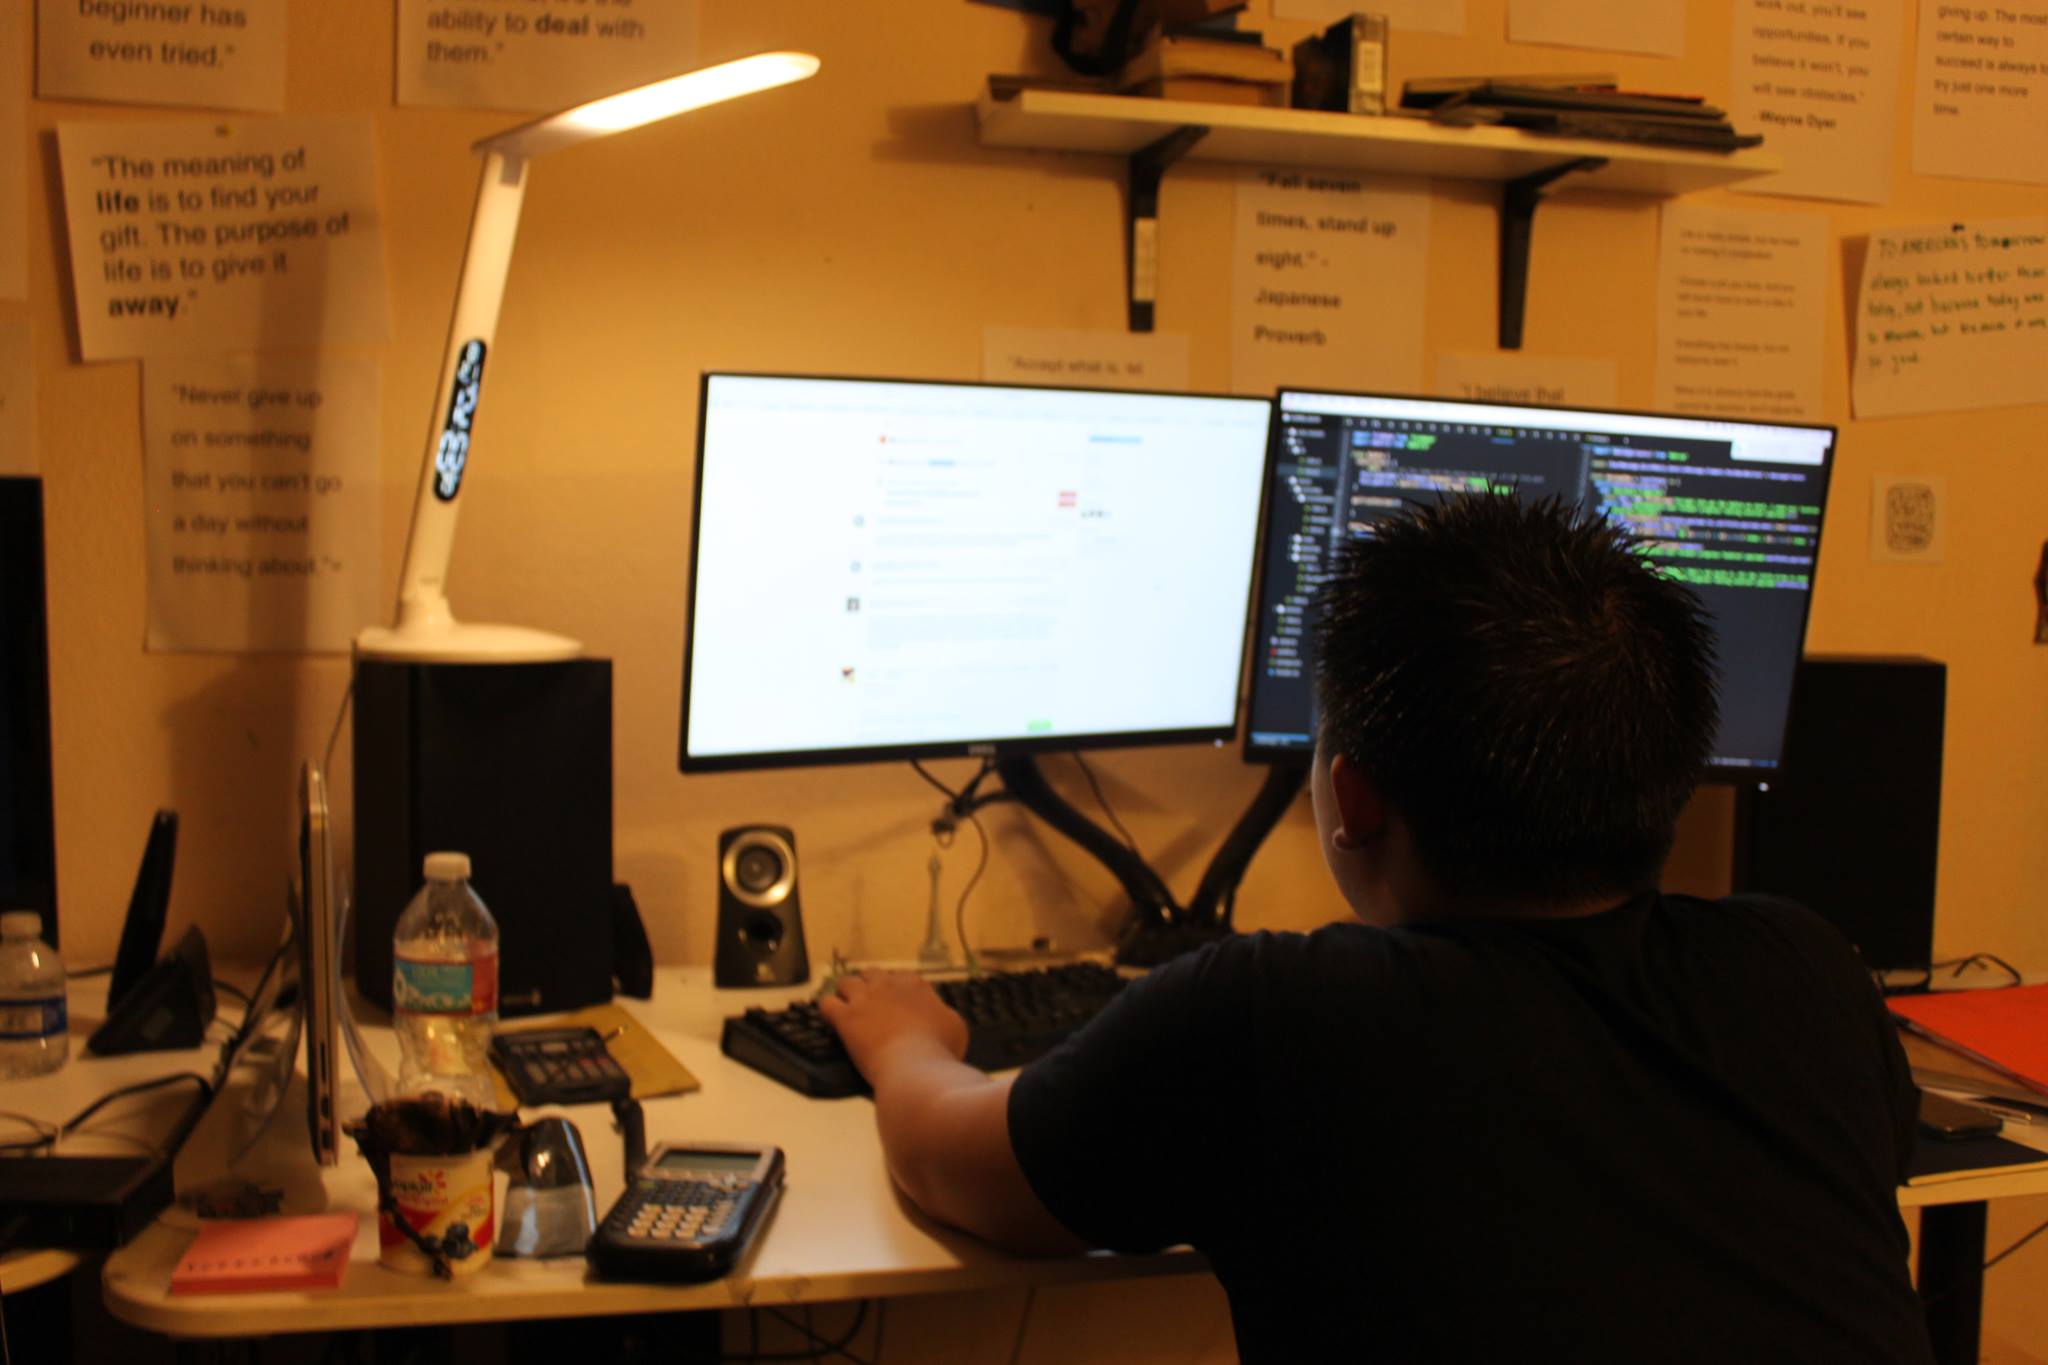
[688,1214]
[559,1066]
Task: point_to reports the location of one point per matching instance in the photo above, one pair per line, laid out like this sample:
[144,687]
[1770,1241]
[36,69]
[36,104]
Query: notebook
[2005,1028]
[239,1255]
[1935,1161]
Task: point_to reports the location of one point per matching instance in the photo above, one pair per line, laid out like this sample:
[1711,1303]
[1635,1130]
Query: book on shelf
[1212,90]
[1211,56]
[245,1255]
[2002,1027]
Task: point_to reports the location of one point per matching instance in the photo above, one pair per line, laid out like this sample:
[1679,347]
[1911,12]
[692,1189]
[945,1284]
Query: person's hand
[880,1015]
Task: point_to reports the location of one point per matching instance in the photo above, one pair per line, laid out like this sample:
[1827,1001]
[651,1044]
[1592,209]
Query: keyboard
[1012,1017]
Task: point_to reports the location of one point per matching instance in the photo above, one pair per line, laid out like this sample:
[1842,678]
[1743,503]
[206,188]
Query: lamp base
[459,642]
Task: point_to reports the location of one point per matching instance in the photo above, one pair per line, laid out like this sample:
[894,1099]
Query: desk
[841,1231]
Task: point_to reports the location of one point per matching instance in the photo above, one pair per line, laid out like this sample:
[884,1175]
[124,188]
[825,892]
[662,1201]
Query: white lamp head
[427,630]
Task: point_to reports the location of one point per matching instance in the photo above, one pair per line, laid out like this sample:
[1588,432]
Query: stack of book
[1575,106]
[1219,66]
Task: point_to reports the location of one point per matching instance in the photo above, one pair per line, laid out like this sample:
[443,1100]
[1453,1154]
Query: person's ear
[1361,813]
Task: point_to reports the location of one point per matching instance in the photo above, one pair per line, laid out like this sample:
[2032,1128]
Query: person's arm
[944,1125]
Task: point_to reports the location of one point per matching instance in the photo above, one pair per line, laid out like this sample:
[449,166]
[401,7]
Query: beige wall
[854,225]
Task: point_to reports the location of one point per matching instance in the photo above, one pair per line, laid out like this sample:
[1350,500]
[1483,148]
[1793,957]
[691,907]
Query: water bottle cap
[447,867]
[21,924]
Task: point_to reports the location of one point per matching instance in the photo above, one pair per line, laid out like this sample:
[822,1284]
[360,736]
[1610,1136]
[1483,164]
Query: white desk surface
[124,1128]
[841,1230]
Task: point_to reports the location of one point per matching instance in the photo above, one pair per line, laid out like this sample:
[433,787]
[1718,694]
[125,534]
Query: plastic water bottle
[35,1033]
[444,986]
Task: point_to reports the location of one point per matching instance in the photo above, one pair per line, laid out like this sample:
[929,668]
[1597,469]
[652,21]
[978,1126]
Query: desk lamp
[426,630]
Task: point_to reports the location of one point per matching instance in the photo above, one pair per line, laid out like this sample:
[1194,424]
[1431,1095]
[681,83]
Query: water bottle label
[423,987]
[29,1020]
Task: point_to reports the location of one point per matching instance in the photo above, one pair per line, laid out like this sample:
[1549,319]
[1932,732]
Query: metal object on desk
[549,1207]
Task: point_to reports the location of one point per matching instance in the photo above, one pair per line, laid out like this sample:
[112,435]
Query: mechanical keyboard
[1012,1017]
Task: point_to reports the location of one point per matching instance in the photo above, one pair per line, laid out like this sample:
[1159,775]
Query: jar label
[419,986]
[27,1020]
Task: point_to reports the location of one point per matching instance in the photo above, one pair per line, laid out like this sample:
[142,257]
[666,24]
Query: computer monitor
[894,569]
[1731,508]
[28,850]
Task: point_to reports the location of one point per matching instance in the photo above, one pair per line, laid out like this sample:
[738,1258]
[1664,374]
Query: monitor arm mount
[1158,927]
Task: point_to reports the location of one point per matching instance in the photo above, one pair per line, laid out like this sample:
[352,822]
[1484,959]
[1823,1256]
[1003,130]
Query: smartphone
[1942,1117]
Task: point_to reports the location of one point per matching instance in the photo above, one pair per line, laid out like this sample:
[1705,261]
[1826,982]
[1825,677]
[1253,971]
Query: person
[1527,1107]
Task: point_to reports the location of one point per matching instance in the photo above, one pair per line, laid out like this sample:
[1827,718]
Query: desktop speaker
[760,922]
[511,764]
[1852,824]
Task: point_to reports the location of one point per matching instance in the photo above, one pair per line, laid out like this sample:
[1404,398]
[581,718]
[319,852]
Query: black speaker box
[511,764]
[760,920]
[1852,825]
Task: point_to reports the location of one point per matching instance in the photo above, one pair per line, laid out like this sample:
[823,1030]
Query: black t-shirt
[1673,1131]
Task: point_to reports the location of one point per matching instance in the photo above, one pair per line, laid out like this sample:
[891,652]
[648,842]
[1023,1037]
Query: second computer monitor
[1731,508]
[888,569]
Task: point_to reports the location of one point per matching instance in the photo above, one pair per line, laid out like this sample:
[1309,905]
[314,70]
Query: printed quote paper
[1327,281]
[1818,78]
[263,507]
[207,54]
[538,55]
[192,237]
[1739,327]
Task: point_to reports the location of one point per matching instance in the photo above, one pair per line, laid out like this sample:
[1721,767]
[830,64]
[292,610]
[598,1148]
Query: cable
[1023,1321]
[229,988]
[334,735]
[71,1124]
[84,972]
[960,910]
[1103,801]
[2038,1230]
[756,1356]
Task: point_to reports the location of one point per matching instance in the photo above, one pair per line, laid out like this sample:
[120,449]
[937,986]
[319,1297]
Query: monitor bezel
[991,747]
[1714,774]
[28,769]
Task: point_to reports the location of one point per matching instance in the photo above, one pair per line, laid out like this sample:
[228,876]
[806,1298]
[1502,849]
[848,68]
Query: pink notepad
[238,1255]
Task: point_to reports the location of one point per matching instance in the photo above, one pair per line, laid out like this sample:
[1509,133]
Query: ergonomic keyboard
[1012,1017]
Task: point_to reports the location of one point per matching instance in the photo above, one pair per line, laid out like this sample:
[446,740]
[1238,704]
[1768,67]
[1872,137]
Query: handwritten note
[1739,323]
[1818,78]
[1908,519]
[1980,90]
[13,156]
[1513,377]
[538,55]
[192,237]
[1425,16]
[1952,316]
[17,400]
[208,54]
[1327,281]
[263,507]
[1654,26]
[1105,360]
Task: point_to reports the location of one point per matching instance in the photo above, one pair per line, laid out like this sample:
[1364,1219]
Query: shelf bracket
[1141,214]
[1518,199]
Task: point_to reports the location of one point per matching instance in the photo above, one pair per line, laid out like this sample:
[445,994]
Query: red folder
[2005,1028]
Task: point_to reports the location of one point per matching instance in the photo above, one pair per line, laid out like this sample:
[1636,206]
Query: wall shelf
[1152,134]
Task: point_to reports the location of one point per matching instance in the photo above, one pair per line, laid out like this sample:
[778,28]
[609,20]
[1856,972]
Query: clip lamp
[426,630]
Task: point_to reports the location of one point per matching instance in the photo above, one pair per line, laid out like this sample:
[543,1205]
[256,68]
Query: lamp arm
[423,581]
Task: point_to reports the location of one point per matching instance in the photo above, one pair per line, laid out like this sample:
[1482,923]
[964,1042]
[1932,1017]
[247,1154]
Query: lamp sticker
[451,453]
[198,236]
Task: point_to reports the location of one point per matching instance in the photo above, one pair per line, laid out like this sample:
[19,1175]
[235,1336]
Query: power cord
[1943,1293]
[56,1135]
[1958,966]
[1103,801]
[962,805]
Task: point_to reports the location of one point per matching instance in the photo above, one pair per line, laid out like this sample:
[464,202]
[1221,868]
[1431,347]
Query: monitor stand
[1158,927]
